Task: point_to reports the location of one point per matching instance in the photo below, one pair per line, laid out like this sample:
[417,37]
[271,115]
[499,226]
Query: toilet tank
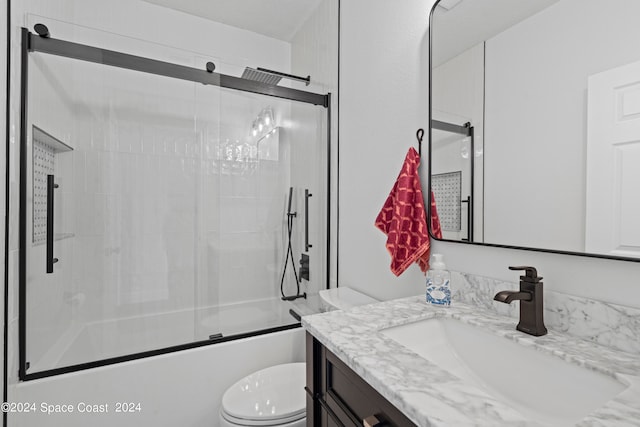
[343,298]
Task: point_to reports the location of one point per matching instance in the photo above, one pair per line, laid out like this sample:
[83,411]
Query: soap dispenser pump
[438,278]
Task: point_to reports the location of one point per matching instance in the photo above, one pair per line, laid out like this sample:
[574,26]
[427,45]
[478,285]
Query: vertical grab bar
[51,186]
[306,220]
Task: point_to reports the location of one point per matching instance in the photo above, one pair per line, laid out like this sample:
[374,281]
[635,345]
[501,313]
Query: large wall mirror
[535,124]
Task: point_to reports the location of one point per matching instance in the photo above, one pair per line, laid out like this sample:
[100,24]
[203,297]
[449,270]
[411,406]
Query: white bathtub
[183,388]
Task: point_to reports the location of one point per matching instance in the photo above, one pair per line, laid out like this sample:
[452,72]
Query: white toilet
[275,396]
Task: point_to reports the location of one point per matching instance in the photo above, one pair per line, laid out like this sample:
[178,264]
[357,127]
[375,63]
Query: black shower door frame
[45,44]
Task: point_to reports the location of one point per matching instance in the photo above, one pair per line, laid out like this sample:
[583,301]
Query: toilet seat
[269,397]
[263,423]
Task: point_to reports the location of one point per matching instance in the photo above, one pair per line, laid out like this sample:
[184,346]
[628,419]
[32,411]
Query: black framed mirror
[551,92]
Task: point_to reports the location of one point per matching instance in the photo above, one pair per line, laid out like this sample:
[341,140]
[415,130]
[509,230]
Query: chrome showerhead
[261,76]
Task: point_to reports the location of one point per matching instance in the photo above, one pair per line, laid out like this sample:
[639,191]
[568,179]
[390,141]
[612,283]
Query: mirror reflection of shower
[242,155]
[453,155]
[264,131]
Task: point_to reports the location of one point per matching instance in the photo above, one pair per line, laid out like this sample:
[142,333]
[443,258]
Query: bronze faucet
[530,297]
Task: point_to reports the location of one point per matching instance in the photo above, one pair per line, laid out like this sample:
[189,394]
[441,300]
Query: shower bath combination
[141,195]
[289,255]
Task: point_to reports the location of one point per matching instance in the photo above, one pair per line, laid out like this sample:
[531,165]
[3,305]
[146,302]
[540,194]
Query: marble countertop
[431,396]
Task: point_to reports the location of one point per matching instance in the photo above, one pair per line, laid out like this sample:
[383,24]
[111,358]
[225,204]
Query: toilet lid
[274,393]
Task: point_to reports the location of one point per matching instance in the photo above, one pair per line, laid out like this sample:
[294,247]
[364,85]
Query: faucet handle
[531,275]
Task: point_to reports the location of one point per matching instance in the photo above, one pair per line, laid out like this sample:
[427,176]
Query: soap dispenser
[438,289]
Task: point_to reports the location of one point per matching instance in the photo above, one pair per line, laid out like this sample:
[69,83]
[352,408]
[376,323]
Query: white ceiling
[279,19]
[470,22]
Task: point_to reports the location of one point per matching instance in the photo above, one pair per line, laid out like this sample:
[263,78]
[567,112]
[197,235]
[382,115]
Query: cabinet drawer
[352,399]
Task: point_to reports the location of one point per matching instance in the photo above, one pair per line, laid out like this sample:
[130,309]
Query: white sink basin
[543,388]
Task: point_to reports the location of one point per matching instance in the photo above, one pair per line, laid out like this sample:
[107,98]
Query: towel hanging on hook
[419,136]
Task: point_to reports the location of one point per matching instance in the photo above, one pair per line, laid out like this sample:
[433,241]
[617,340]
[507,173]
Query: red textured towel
[403,219]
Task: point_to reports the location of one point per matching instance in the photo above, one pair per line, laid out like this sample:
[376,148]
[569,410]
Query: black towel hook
[419,136]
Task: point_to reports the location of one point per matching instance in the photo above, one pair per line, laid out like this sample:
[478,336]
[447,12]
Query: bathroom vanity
[404,363]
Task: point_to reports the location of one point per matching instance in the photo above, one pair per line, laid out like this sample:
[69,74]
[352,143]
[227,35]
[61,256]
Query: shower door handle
[51,186]
[469,237]
[306,220]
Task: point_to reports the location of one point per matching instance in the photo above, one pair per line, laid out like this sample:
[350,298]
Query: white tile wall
[314,52]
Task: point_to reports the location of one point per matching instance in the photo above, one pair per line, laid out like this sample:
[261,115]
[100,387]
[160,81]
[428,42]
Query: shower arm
[306,80]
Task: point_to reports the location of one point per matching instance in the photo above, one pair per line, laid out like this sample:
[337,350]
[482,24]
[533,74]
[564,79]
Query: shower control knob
[211,67]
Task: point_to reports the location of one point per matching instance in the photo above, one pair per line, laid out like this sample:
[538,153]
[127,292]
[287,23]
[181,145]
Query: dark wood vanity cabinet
[337,396]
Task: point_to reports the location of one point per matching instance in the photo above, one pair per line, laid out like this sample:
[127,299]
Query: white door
[613,162]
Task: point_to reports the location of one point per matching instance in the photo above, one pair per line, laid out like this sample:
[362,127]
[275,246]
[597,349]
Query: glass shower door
[261,147]
[111,255]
